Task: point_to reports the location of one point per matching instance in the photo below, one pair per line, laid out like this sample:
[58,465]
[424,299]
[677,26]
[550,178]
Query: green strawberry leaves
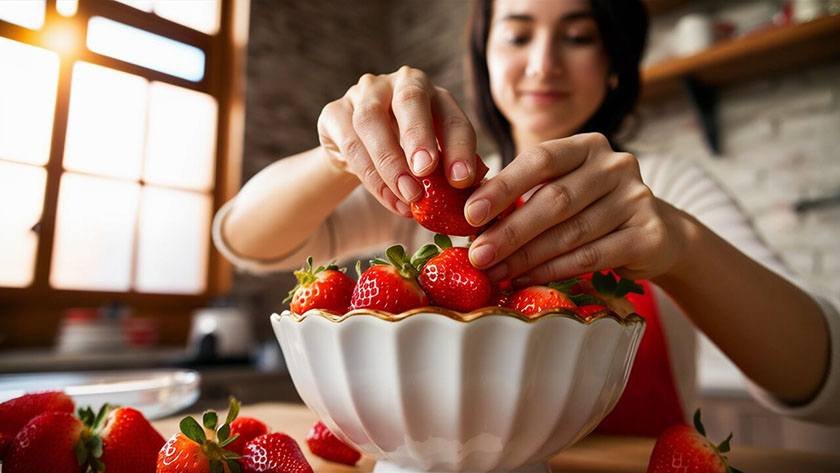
[607,284]
[722,449]
[306,275]
[214,449]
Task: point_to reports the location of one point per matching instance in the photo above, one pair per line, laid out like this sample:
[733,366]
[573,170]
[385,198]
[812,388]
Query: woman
[552,82]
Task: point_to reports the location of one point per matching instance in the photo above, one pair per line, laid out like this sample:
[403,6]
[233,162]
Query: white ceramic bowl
[435,390]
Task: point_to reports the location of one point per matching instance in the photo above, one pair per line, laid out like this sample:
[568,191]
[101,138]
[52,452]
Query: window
[116,145]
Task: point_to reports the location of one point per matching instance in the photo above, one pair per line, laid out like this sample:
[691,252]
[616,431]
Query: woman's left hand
[592,212]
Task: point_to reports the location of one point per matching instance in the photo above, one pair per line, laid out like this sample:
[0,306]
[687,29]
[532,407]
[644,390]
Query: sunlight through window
[173,241]
[26,13]
[28,87]
[94,233]
[181,138]
[21,201]
[145,49]
[106,124]
[201,15]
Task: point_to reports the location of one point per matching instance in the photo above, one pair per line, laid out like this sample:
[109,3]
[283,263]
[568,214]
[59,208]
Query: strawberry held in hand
[389,285]
[274,453]
[441,207]
[325,444]
[451,281]
[325,288]
[198,449]
[534,300]
[685,449]
[16,413]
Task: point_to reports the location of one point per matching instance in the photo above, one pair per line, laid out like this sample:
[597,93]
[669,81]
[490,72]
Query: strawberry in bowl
[468,387]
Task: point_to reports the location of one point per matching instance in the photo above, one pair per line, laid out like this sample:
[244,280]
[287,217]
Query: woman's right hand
[387,129]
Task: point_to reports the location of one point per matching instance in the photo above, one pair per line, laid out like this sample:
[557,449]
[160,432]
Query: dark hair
[623,26]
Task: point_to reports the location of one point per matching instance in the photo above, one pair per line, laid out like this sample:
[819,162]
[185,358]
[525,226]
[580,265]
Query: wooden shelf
[773,50]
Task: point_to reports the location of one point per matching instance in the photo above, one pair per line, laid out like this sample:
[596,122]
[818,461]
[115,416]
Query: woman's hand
[387,130]
[592,212]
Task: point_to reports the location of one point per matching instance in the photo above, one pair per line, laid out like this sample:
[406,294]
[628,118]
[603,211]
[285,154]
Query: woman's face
[548,69]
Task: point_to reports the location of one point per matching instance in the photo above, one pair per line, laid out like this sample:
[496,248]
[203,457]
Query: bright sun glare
[63,38]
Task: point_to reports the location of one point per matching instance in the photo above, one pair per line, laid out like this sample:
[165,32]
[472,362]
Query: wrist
[336,166]
[687,236]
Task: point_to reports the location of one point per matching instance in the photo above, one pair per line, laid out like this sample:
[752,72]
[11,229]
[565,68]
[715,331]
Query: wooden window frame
[224,79]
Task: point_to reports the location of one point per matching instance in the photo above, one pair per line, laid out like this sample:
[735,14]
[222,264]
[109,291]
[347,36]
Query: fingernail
[408,187]
[478,211]
[421,161]
[403,209]
[498,272]
[522,281]
[460,171]
[482,255]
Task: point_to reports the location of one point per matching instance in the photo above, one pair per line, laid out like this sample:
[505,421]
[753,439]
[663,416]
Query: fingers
[373,124]
[457,139]
[412,108]
[613,251]
[337,135]
[592,223]
[543,162]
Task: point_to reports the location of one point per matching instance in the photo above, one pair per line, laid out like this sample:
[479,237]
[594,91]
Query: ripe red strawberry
[247,429]
[326,445]
[16,413]
[682,448]
[48,443]
[274,453]
[589,310]
[198,449]
[325,288]
[451,281]
[534,300]
[129,442]
[389,285]
[603,288]
[441,208]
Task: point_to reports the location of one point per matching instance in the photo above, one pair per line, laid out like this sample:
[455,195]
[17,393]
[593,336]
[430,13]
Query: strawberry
[682,448]
[325,288]
[247,429]
[201,450]
[603,288]
[441,207]
[389,285]
[16,413]
[451,281]
[534,300]
[129,442]
[273,453]
[589,310]
[51,442]
[326,445]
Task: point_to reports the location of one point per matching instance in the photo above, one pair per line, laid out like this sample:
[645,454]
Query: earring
[612,81]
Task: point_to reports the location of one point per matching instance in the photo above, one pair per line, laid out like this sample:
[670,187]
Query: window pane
[173,241]
[26,13]
[145,5]
[67,7]
[94,233]
[181,143]
[145,49]
[28,86]
[21,201]
[201,15]
[106,122]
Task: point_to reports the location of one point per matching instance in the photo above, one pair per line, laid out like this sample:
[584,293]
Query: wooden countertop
[593,454]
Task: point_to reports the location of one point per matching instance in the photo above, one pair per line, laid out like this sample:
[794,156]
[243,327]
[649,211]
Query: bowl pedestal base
[388,467]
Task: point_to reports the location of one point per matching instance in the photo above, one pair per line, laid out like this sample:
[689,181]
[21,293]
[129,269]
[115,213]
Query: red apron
[650,402]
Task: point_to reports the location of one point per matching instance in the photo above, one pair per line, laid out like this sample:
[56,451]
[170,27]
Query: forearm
[772,330]
[284,203]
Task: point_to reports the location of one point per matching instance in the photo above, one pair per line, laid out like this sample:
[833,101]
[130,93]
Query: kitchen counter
[593,454]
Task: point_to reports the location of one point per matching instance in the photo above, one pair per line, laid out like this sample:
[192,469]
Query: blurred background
[125,124]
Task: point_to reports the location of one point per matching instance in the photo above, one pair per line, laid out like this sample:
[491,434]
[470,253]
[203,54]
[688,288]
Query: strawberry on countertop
[274,453]
[685,449]
[389,285]
[451,281]
[441,207]
[325,288]
[53,442]
[246,429]
[198,449]
[323,443]
[129,442]
[16,413]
